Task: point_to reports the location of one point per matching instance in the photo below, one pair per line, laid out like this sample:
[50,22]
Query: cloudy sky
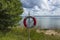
[43,8]
[37,7]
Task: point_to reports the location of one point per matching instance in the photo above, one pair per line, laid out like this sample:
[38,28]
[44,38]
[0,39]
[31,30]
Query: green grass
[22,34]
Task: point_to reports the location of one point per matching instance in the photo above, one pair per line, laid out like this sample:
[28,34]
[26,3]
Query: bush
[10,11]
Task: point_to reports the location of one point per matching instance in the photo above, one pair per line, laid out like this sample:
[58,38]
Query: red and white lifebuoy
[25,19]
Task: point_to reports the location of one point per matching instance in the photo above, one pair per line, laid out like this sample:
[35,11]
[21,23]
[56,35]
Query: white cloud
[41,7]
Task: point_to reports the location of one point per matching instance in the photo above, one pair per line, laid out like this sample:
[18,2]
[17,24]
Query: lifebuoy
[24,21]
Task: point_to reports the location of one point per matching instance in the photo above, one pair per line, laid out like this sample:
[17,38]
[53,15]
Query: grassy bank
[22,34]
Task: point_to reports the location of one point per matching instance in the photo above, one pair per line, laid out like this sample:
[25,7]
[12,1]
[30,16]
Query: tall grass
[22,34]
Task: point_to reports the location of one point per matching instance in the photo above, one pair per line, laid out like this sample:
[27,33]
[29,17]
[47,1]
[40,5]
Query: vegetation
[22,34]
[10,11]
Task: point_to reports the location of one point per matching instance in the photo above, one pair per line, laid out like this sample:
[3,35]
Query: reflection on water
[48,22]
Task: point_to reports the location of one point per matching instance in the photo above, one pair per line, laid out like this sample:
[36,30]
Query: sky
[50,7]
[43,8]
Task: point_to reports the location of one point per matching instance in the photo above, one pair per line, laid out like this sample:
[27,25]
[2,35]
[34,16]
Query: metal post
[29,34]
[28,27]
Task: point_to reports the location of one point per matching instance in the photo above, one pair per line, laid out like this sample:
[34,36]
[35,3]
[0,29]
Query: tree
[10,11]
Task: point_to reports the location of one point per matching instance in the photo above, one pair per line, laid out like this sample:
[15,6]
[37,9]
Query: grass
[22,34]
